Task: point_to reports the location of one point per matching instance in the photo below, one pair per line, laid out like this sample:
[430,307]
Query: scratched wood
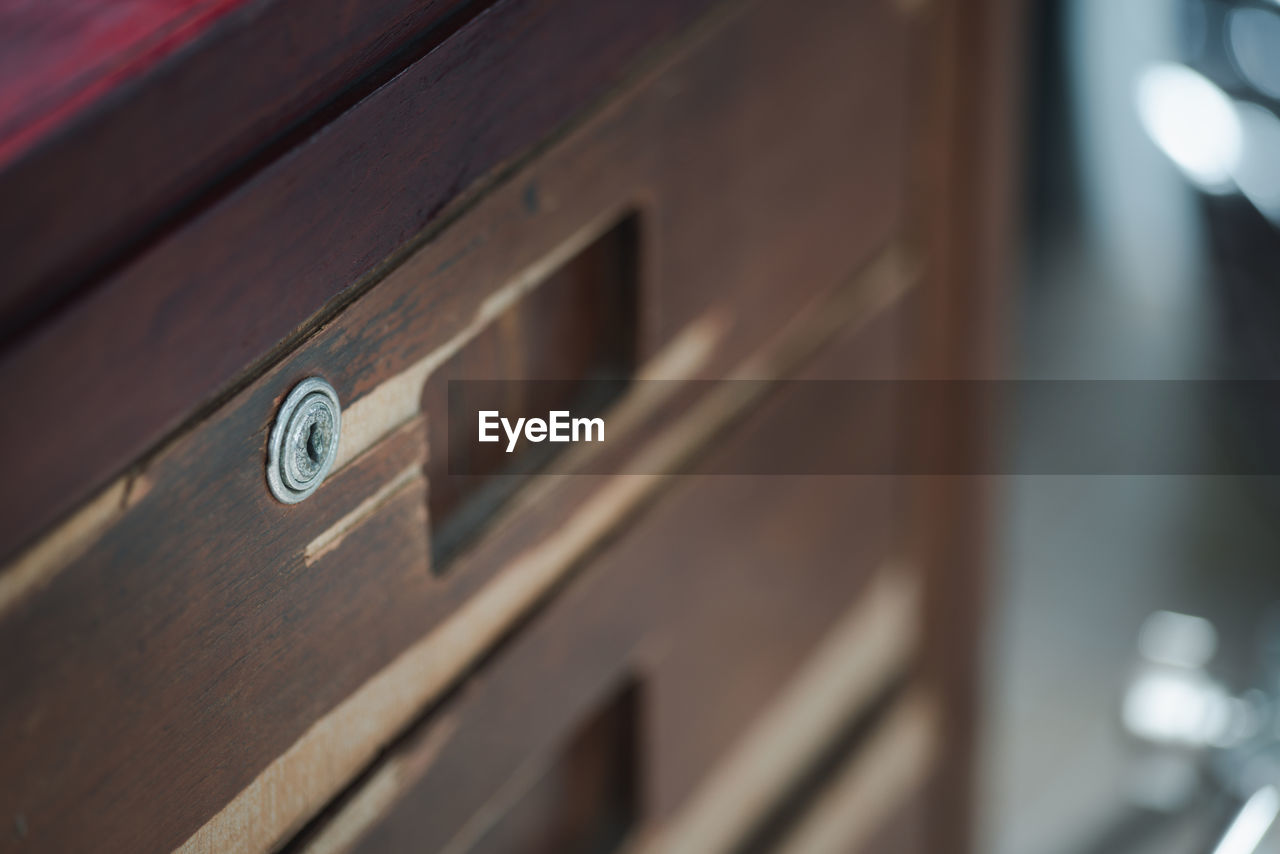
[179,317]
[712,603]
[192,623]
[525,555]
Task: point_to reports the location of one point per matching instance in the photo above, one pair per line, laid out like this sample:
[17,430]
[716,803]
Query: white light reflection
[1258,172]
[1193,122]
[1252,823]
[1179,707]
[1181,640]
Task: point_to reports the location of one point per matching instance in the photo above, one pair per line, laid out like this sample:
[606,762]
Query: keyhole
[317,443]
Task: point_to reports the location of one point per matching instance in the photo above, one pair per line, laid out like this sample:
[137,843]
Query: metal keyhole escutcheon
[304,440]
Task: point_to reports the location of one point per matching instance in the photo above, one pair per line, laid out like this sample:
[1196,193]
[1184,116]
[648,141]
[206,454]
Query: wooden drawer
[243,659]
[221,291]
[735,609]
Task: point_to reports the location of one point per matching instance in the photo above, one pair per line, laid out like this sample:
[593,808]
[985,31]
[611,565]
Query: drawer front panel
[155,341]
[657,660]
[213,630]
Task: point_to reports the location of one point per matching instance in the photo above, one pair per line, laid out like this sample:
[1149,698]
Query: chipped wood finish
[192,295]
[555,524]
[710,625]
[191,620]
[37,565]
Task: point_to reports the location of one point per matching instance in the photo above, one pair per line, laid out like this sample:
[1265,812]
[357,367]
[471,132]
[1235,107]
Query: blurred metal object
[1173,700]
[1190,721]
[1193,122]
[1251,823]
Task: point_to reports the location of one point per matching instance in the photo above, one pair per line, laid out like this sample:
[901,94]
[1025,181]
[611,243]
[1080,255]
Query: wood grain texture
[177,325]
[52,553]
[119,120]
[193,626]
[709,620]
[556,522]
[171,655]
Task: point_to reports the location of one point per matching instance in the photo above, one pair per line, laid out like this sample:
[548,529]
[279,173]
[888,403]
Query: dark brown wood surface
[195,627]
[226,288]
[116,118]
[708,605]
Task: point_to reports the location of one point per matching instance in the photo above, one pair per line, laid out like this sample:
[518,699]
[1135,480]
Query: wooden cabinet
[641,649]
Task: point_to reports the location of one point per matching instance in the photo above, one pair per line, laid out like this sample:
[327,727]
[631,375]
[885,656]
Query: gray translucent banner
[827,427]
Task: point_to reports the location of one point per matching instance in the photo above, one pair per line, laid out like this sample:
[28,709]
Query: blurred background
[1132,664]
